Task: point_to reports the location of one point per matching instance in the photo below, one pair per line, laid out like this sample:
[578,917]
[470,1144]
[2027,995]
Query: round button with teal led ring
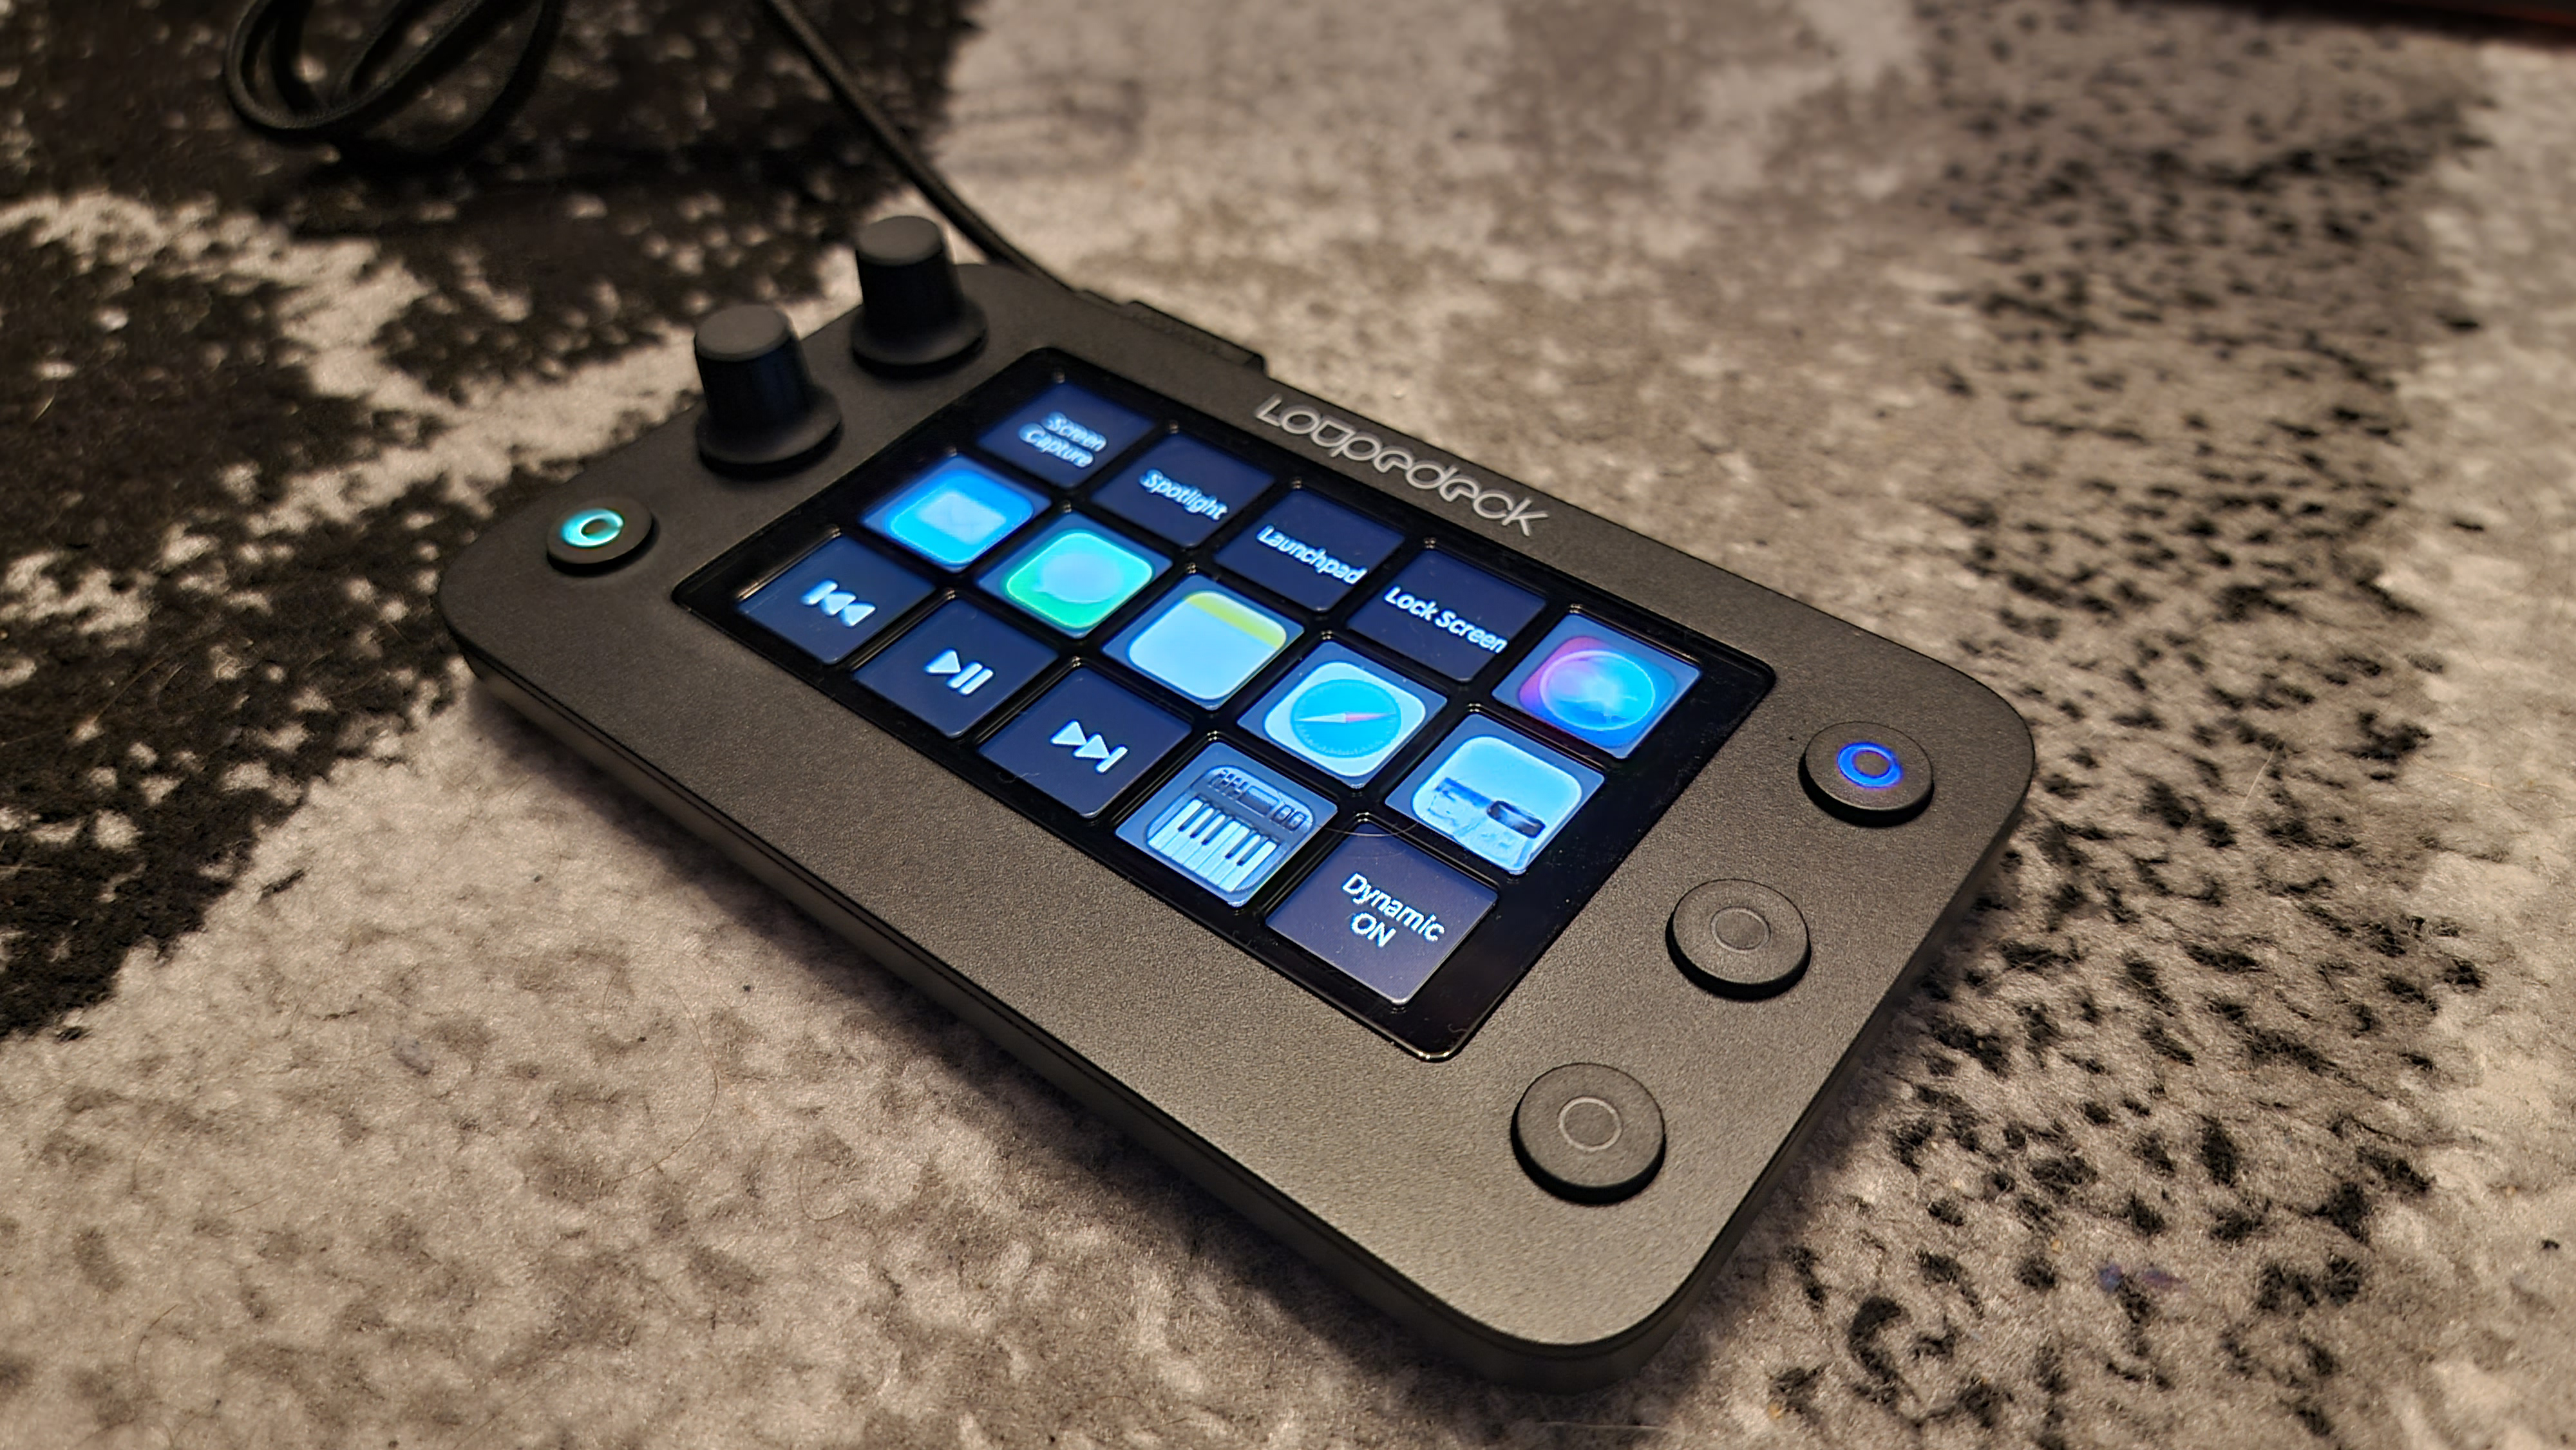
[1867,773]
[599,533]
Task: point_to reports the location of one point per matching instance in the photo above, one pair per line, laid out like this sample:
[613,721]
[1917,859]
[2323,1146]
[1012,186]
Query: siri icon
[1597,684]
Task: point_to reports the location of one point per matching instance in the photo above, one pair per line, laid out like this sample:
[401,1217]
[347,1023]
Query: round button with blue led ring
[1589,1133]
[1739,939]
[598,533]
[1867,773]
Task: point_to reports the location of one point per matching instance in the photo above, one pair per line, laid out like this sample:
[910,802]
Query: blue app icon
[1343,712]
[1182,490]
[835,599]
[953,513]
[1227,822]
[1496,792]
[1203,640]
[1085,741]
[1597,684]
[1065,434]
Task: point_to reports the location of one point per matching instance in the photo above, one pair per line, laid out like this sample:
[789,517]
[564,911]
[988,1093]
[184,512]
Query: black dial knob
[912,316]
[764,414]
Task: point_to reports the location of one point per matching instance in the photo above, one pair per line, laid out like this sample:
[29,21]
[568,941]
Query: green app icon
[1076,576]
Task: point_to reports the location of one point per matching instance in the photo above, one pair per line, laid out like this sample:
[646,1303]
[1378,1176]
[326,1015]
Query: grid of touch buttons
[1388,758]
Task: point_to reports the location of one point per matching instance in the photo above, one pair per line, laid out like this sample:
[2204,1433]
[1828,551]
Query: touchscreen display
[1386,757]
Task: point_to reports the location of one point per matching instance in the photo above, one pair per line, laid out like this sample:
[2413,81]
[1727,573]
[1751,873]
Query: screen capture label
[1065,435]
[1451,616]
[1382,912]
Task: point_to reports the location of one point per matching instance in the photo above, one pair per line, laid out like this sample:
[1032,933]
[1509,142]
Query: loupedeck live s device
[1478,896]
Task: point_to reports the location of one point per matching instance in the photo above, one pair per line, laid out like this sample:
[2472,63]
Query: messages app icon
[1074,575]
[1343,713]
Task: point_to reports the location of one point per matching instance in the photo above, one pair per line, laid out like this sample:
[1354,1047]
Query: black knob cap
[764,414]
[912,316]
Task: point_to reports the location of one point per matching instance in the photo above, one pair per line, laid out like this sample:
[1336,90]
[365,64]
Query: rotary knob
[764,414]
[913,318]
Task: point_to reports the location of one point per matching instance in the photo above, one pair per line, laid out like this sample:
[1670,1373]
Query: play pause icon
[1088,746]
[964,676]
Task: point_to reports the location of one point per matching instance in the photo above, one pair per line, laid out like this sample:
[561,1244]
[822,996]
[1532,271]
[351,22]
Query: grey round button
[1589,1133]
[1867,773]
[1739,938]
[599,533]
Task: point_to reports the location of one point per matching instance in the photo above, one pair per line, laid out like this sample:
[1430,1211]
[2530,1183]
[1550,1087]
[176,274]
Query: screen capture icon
[1203,641]
[955,668]
[1085,741]
[1227,821]
[1496,792]
[1343,712]
[1074,575]
[835,599]
[955,512]
[1597,684]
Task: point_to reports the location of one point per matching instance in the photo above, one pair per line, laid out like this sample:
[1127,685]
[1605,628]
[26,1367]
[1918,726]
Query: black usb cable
[387,73]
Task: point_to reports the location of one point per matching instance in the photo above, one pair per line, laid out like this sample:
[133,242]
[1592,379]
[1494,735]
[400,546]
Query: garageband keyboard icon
[1228,822]
[1229,827]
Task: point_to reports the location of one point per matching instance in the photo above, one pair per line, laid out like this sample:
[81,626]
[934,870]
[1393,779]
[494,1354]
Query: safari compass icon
[1345,714]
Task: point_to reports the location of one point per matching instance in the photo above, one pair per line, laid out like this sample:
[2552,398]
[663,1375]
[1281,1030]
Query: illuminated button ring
[1867,773]
[599,533]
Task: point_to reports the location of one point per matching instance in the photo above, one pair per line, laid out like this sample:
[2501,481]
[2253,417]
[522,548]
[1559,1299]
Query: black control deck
[1478,895]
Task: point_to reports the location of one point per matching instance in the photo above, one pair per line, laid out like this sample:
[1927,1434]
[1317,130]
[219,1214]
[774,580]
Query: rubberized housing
[1396,1173]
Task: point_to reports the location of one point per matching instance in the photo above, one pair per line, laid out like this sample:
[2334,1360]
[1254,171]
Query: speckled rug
[2201,378]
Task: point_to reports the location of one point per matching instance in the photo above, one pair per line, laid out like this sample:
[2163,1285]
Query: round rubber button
[1589,1133]
[1867,773]
[1739,938]
[599,533]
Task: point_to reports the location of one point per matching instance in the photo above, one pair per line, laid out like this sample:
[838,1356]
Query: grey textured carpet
[2203,379]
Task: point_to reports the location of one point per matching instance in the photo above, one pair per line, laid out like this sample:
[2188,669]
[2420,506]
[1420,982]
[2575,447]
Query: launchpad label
[1310,550]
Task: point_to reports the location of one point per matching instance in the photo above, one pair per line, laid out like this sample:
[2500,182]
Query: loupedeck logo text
[1341,440]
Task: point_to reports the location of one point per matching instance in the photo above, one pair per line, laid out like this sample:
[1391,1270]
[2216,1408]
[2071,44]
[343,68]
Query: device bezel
[1394,1172]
